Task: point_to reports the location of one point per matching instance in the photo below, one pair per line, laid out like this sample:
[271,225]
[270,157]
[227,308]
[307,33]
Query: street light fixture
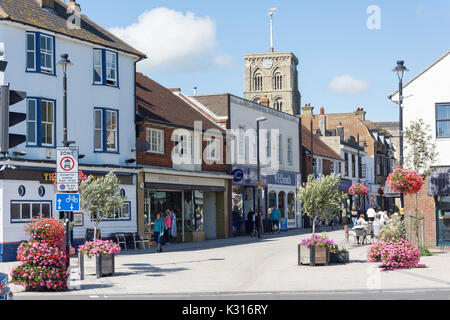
[65,63]
[258,121]
[400,69]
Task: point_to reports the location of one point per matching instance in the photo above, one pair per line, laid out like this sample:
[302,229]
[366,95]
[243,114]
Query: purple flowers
[318,241]
[395,254]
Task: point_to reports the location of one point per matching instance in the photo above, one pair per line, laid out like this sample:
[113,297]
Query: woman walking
[354,214]
[168,226]
[158,230]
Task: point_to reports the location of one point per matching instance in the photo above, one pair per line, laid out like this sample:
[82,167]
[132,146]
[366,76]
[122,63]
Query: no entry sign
[67,169]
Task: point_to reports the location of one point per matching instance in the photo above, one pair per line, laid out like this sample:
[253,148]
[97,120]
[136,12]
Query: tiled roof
[159,104]
[29,12]
[217,103]
[320,148]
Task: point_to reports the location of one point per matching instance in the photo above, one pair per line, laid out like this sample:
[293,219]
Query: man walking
[276,219]
[371,214]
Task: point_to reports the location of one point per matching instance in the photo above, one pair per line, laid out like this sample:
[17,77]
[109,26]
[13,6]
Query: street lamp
[65,63]
[400,69]
[258,120]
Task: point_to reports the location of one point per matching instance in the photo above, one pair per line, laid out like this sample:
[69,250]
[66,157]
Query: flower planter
[340,257]
[313,255]
[101,265]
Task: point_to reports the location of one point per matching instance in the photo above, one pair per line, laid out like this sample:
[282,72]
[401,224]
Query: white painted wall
[83,96]
[421,97]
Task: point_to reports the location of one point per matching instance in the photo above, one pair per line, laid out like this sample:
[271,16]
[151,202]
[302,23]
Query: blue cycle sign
[67,202]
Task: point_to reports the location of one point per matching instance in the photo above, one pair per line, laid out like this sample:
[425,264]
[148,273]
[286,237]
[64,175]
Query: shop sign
[285,179]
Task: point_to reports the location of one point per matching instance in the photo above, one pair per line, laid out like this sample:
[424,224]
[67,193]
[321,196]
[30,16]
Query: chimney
[323,122]
[74,6]
[195,91]
[360,114]
[265,101]
[340,131]
[46,3]
[308,110]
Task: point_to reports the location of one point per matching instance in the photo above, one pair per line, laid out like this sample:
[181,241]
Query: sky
[346,49]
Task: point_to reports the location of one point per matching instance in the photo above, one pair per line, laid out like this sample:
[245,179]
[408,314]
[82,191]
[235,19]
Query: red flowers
[405,181]
[358,190]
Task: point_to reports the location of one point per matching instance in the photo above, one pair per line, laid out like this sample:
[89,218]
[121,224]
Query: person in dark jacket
[250,216]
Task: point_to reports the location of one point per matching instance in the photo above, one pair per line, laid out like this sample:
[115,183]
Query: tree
[321,197]
[421,154]
[100,197]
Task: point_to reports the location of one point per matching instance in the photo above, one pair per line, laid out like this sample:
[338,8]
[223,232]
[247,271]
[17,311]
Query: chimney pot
[74,6]
[322,111]
[265,101]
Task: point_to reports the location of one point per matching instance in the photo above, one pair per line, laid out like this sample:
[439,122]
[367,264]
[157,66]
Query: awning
[439,182]
[169,186]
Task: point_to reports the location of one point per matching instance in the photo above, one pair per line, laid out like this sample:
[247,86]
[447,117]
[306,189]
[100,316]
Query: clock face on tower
[268,63]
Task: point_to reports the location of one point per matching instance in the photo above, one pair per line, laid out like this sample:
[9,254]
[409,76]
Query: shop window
[193,206]
[23,211]
[443,232]
[291,206]
[272,199]
[237,203]
[281,199]
[249,200]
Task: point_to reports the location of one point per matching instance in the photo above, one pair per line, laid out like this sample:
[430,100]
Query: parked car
[5,293]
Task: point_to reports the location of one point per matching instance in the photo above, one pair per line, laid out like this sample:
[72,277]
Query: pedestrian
[377,224]
[250,219]
[276,213]
[158,230]
[167,226]
[371,214]
[258,224]
[354,214]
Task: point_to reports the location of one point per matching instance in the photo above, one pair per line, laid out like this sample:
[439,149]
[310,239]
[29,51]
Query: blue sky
[330,38]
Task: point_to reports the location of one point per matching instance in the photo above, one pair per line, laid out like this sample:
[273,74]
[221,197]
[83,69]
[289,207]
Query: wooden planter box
[101,265]
[313,255]
[340,257]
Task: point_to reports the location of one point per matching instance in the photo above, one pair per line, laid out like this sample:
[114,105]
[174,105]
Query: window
[359,167]
[40,122]
[98,67]
[277,81]
[23,211]
[443,121]
[122,214]
[258,82]
[106,69]
[346,165]
[40,53]
[280,149]
[268,144]
[106,130]
[289,152]
[353,166]
[241,145]
[278,105]
[213,149]
[156,140]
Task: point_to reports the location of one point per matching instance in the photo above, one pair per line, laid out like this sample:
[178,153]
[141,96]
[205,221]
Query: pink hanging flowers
[405,181]
[358,190]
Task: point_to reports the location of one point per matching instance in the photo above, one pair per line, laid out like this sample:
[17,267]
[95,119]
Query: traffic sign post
[67,169]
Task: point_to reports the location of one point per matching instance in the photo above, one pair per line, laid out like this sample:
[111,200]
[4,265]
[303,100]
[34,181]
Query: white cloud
[348,85]
[173,40]
[223,60]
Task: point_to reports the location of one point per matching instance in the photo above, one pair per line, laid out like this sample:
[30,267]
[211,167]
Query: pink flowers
[395,254]
[405,181]
[358,190]
[318,241]
[99,247]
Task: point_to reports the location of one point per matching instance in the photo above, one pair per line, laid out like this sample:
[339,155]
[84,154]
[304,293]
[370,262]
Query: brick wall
[427,205]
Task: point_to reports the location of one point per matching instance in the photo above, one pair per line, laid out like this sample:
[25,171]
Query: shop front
[282,190]
[199,202]
[439,189]
[245,197]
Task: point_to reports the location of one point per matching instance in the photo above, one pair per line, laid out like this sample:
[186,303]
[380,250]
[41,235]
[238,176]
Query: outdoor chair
[138,240]
[120,238]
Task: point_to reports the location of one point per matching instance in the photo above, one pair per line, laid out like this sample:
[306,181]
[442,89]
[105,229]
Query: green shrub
[424,252]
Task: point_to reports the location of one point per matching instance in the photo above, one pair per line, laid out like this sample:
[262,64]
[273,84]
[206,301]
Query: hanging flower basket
[405,181]
[358,190]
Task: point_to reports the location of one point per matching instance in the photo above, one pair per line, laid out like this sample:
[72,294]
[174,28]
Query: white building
[101,112]
[427,97]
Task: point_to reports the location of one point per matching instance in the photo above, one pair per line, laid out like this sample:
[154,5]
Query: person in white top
[371,214]
[382,216]
[377,224]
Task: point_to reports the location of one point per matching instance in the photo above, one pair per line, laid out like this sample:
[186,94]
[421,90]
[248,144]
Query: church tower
[273,75]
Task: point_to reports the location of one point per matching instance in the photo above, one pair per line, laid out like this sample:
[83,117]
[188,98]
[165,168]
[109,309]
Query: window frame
[160,140]
[38,53]
[42,122]
[38,121]
[105,148]
[98,66]
[104,70]
[216,148]
[437,120]
[290,152]
[30,203]
[119,215]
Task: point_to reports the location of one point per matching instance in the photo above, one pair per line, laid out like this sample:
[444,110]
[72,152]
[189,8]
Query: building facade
[428,98]
[100,108]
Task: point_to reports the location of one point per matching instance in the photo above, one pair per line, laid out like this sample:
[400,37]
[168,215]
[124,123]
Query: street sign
[67,202]
[67,169]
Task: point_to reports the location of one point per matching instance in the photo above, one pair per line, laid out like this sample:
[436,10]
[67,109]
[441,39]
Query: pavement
[248,267]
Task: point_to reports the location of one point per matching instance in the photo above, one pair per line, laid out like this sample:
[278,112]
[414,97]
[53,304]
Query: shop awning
[169,186]
[439,182]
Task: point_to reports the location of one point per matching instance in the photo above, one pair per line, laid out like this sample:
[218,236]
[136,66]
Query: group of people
[165,228]
[254,222]
[376,220]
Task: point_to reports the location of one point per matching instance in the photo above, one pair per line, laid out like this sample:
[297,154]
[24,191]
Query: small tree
[321,197]
[100,197]
[421,154]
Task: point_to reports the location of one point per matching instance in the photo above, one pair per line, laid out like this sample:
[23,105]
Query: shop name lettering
[281,179]
[234,309]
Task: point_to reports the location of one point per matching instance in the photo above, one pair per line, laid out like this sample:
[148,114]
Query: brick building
[183,167]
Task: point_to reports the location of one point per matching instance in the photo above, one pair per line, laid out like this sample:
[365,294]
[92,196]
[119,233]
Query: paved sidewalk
[249,265]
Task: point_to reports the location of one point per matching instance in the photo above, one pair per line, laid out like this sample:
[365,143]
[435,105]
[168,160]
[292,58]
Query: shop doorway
[209,199]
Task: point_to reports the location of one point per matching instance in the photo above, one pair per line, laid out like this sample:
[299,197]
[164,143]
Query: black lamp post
[259,175]
[65,63]
[400,69]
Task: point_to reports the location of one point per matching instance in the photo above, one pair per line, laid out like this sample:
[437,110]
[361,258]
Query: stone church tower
[275,75]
